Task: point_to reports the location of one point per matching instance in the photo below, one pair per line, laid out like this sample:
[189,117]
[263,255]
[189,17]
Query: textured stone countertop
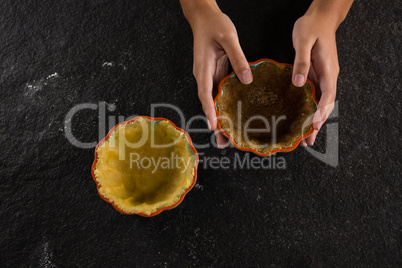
[55,55]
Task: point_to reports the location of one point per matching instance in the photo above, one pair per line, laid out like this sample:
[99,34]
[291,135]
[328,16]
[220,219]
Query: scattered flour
[108,64]
[113,64]
[36,85]
[46,256]
[199,186]
[52,75]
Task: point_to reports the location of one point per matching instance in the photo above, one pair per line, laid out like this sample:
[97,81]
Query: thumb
[237,59]
[301,65]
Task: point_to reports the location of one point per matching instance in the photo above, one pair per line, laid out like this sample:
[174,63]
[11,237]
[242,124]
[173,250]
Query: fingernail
[299,80]
[247,77]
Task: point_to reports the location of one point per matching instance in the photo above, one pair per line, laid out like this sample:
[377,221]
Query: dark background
[309,214]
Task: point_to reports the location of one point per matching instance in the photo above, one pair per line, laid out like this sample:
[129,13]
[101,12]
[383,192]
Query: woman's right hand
[215,41]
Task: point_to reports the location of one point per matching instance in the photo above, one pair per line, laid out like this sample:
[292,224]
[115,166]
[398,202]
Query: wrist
[329,13]
[194,10]
[328,21]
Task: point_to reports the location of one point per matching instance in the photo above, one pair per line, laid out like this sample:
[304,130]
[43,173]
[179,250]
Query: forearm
[332,11]
[192,8]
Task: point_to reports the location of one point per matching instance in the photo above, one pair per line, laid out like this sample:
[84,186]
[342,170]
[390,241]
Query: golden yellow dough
[129,174]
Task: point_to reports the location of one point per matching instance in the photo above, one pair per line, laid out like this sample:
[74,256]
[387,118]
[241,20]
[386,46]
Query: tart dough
[270,94]
[144,186]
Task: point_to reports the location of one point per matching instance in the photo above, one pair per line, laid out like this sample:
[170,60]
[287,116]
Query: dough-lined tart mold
[269,115]
[145,166]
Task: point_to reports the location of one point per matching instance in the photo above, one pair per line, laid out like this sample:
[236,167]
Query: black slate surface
[57,54]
